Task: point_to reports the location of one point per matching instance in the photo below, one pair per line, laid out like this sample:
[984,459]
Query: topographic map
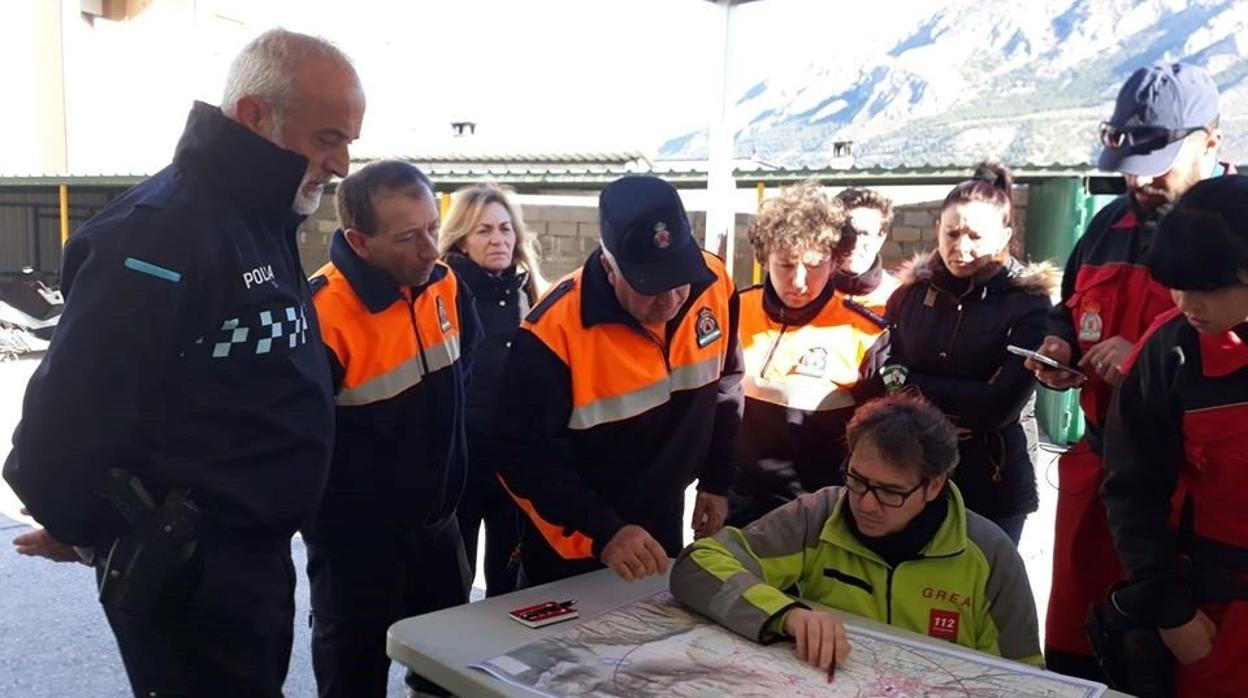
[657,648]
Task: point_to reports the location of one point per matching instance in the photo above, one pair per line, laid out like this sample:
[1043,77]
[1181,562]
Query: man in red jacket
[1163,137]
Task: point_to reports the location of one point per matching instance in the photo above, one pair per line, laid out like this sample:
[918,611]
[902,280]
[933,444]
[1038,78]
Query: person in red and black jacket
[1163,137]
[951,320]
[1176,447]
[623,386]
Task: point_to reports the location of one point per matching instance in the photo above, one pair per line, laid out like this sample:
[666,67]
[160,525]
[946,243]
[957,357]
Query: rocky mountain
[964,79]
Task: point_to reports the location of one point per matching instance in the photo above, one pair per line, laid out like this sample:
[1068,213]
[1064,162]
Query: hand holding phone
[1041,358]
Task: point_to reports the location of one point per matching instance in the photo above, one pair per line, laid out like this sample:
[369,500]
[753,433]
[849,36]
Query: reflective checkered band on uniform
[299,333]
[268,330]
[237,335]
[275,330]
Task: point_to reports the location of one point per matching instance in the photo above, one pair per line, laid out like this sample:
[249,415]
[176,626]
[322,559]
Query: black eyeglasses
[1143,137]
[885,496]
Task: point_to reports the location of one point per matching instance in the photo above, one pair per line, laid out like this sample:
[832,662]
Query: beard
[305,202]
[1147,219]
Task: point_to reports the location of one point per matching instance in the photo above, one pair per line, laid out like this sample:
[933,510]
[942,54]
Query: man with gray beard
[179,428]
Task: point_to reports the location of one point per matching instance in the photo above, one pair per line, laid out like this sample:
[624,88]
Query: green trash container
[1058,211]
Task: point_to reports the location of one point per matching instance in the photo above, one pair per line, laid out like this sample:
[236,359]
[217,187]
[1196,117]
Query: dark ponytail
[991,183]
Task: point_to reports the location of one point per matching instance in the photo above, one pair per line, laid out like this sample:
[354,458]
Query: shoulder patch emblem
[1090,323]
[707,328]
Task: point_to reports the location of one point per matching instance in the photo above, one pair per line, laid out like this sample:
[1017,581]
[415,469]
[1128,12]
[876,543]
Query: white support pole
[721,186]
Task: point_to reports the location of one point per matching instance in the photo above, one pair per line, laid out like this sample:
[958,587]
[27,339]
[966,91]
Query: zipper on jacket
[957,324]
[440,509]
[420,344]
[663,349]
[888,585]
[775,344]
[888,594]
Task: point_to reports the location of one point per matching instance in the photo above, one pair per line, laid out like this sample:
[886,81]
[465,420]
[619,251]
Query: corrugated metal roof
[527,171]
[506,158]
[73,180]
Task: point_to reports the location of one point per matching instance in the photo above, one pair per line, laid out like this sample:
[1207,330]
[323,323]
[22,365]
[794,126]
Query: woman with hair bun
[957,310]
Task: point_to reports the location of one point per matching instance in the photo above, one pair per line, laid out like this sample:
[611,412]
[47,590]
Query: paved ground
[54,640]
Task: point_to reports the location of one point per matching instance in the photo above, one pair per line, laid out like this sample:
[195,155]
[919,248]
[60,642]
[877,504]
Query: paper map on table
[656,648]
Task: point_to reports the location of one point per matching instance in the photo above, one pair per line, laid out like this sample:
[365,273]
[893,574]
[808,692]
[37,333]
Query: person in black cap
[1163,137]
[622,388]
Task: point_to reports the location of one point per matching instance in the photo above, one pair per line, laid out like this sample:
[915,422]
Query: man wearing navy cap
[1163,137]
[621,389]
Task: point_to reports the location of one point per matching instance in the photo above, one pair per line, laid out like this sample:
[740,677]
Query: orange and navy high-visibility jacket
[806,370]
[603,424]
[1107,291]
[1176,474]
[400,360]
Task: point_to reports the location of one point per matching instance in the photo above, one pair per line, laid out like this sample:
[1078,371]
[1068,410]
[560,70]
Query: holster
[160,539]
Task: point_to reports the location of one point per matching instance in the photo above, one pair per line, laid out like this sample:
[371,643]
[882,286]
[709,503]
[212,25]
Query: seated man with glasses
[895,544]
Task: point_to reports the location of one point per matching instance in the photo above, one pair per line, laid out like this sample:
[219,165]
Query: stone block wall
[567,234]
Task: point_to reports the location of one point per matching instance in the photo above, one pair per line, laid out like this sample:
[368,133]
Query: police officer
[1164,137]
[185,384]
[622,387]
[399,329]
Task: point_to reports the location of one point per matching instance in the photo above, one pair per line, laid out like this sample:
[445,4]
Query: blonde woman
[484,240]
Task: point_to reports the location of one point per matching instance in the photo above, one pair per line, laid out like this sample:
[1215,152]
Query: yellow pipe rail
[64,190]
[761,190]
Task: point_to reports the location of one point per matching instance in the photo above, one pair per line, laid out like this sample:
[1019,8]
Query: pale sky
[537,75]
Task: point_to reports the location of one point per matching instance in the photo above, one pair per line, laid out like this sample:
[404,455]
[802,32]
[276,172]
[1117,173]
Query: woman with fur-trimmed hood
[957,310]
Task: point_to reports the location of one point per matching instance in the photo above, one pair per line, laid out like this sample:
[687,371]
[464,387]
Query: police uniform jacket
[187,350]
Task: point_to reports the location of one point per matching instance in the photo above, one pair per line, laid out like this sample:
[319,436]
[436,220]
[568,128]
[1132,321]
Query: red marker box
[546,613]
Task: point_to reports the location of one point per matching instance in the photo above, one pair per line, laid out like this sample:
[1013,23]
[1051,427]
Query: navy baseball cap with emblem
[1157,108]
[645,228]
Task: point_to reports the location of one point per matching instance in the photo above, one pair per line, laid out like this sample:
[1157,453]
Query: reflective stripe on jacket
[603,424]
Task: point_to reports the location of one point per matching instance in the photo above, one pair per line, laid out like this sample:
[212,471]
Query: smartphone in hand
[1036,356]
